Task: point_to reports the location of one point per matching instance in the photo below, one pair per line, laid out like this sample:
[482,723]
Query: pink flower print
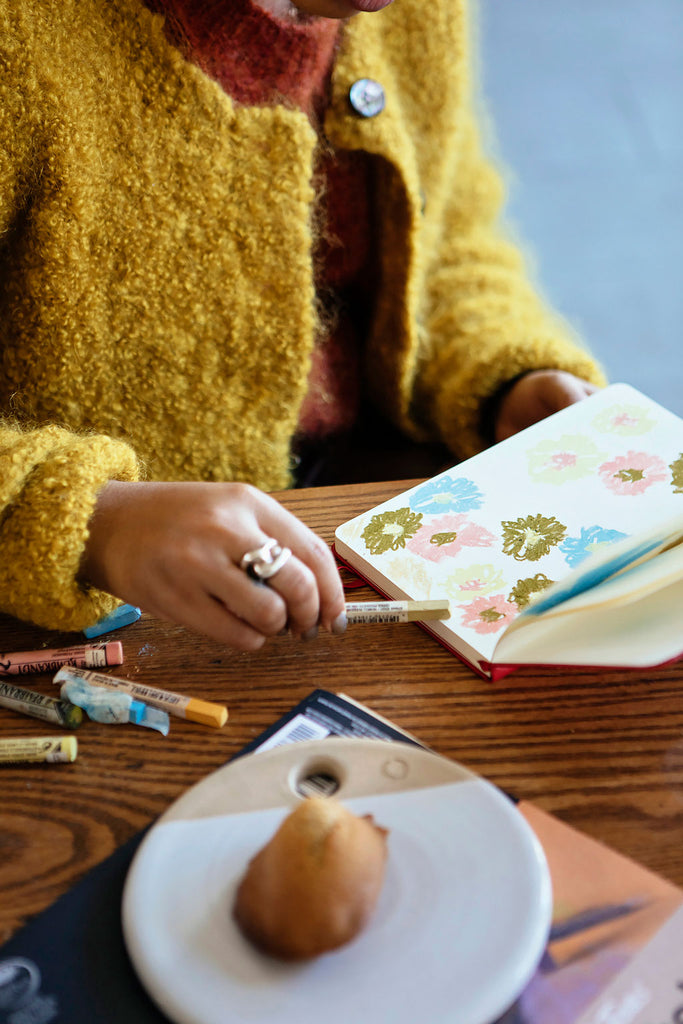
[445,536]
[562,460]
[488,614]
[633,473]
[623,419]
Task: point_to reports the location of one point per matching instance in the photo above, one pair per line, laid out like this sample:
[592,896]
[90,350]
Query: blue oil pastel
[121,616]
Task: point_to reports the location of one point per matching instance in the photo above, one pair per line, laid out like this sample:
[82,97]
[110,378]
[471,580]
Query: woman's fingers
[175,550]
[297,588]
[534,396]
[291,597]
[288,599]
[208,615]
[309,582]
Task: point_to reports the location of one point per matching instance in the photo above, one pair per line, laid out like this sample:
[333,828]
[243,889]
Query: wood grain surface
[603,751]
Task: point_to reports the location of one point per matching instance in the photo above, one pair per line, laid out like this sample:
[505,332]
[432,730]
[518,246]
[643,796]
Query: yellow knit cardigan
[157,307]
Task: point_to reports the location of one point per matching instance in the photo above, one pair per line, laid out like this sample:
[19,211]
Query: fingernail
[310,634]
[339,624]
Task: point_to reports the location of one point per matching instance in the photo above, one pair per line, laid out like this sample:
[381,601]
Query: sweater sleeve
[49,481]
[484,322]
[49,477]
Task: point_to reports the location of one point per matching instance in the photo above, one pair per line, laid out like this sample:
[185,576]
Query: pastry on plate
[314,885]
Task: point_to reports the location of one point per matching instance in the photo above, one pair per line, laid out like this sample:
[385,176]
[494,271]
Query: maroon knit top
[259,59]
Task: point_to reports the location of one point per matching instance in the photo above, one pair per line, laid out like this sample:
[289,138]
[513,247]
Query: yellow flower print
[569,457]
[473,581]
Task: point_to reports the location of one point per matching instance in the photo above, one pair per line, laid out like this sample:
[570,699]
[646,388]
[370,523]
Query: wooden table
[603,751]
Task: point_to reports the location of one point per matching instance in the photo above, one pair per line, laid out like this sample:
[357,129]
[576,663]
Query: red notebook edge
[495,672]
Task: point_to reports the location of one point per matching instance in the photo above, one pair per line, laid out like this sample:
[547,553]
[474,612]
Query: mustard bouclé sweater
[157,306]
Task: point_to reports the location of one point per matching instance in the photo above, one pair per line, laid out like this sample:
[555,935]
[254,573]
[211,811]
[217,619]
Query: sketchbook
[562,545]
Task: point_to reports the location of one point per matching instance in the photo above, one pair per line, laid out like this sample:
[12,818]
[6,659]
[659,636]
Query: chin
[338,8]
[326,8]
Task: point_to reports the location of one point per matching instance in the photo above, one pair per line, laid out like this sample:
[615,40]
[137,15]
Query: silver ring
[262,563]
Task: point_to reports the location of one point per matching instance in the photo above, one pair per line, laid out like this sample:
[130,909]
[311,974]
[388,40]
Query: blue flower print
[446,494]
[576,549]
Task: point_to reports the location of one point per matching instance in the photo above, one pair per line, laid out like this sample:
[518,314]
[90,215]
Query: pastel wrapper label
[28,702]
[154,718]
[49,749]
[86,656]
[112,706]
[396,611]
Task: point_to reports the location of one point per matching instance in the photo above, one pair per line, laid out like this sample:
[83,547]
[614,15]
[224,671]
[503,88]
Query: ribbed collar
[257,58]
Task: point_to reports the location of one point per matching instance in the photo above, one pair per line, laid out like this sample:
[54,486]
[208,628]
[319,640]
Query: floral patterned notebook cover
[493,532]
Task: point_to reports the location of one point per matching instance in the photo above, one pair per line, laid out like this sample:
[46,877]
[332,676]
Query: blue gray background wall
[586,97]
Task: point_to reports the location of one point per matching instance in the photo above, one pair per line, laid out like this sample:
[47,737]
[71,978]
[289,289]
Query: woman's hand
[174,549]
[536,395]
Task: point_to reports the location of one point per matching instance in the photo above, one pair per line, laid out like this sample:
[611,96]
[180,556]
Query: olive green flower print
[443,538]
[531,538]
[676,468]
[389,531]
[523,590]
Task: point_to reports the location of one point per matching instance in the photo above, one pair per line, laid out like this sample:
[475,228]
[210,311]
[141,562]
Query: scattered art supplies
[562,545]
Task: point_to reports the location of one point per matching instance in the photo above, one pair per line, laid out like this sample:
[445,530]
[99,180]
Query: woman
[226,230]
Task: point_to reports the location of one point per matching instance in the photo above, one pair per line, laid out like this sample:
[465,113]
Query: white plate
[461,923]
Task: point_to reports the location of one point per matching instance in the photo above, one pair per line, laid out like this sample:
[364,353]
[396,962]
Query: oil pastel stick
[396,611]
[121,616]
[33,749]
[28,702]
[191,708]
[84,656]
[103,704]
